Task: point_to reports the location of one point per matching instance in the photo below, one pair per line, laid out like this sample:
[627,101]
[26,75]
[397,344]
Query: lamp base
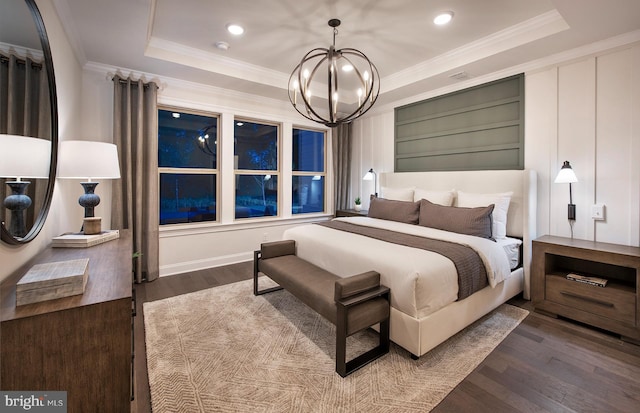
[571,212]
[92,225]
[17,202]
[89,200]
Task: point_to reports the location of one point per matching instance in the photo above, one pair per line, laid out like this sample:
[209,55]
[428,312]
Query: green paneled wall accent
[473,129]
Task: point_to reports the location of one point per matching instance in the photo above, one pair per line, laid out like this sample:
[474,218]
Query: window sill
[179,230]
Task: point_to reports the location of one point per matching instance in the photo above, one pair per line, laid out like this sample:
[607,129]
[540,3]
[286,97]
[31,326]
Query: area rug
[225,350]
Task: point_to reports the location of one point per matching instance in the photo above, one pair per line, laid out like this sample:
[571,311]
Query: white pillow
[397,194]
[435,197]
[501,202]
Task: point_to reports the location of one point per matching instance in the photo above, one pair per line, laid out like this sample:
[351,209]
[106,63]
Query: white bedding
[511,247]
[421,282]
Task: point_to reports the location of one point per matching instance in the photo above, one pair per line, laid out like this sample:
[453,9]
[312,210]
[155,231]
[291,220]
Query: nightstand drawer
[613,301]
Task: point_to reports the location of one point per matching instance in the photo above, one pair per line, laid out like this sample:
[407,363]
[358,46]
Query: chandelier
[352,87]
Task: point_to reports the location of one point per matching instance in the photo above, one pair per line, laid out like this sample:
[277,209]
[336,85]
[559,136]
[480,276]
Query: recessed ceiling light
[443,18]
[222,45]
[239,123]
[235,29]
[175,115]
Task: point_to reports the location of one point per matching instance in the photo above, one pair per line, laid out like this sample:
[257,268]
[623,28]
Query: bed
[426,309]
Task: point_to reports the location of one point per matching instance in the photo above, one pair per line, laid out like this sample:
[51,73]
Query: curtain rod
[21,61]
[124,81]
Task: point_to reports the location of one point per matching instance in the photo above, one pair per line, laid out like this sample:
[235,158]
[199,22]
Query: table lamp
[88,160]
[22,157]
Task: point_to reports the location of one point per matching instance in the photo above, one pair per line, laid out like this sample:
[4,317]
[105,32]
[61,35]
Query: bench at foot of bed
[352,303]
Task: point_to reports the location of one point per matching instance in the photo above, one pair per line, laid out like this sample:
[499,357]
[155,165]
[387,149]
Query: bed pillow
[469,221]
[397,194]
[501,202]
[437,197]
[392,210]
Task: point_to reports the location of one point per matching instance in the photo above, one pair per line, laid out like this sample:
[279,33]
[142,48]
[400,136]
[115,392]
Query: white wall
[68,74]
[586,111]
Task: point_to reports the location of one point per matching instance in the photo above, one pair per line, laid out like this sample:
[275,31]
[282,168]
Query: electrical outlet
[265,237]
[597,212]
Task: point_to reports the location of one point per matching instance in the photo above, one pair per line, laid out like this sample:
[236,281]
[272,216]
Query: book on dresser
[600,282]
[80,240]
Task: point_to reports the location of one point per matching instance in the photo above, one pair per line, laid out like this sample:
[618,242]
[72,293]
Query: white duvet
[421,282]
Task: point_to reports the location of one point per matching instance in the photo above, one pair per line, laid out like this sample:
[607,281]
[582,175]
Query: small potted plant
[358,203]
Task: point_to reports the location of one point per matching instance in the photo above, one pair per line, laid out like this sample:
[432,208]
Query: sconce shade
[24,157]
[88,160]
[566,175]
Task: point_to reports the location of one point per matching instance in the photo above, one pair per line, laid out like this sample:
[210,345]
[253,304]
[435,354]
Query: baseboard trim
[188,266]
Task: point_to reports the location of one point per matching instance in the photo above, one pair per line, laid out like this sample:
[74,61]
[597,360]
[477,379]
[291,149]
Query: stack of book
[80,240]
[600,282]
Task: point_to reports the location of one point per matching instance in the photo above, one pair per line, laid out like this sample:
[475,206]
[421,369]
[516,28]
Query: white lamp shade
[88,160]
[368,176]
[24,157]
[566,175]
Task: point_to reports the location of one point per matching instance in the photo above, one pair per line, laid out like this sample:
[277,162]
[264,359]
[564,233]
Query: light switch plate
[597,212]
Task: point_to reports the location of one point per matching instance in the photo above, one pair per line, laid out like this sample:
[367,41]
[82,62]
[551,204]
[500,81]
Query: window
[187,164]
[256,169]
[308,166]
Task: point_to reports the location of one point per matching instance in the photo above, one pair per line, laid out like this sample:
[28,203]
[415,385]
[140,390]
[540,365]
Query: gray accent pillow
[470,221]
[400,211]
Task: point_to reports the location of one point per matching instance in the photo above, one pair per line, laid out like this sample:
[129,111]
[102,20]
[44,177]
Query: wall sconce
[88,160]
[567,176]
[371,175]
[22,157]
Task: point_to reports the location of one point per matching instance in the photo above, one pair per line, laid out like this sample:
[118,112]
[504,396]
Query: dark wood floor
[544,365]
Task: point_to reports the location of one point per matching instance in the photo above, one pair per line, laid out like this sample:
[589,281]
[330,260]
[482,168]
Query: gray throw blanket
[472,274]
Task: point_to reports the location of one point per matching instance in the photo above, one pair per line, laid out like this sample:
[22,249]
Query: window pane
[256,196]
[308,150]
[187,140]
[187,198]
[308,194]
[256,146]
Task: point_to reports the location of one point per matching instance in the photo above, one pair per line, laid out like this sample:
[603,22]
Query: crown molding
[190,56]
[536,28]
[226,100]
[591,50]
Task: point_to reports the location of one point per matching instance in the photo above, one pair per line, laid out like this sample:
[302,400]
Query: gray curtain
[25,110]
[341,149]
[135,195]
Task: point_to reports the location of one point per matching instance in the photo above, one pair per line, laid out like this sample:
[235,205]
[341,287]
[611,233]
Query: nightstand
[351,213]
[613,307]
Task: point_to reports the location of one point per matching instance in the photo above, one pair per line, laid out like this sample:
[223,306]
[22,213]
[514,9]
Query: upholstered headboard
[521,218]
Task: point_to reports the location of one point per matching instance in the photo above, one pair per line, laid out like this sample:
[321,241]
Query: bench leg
[256,259]
[344,367]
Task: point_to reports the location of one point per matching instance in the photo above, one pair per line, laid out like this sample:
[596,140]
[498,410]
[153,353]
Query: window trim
[195,171]
[311,173]
[277,172]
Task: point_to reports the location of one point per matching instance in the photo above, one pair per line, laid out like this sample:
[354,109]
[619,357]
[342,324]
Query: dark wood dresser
[80,344]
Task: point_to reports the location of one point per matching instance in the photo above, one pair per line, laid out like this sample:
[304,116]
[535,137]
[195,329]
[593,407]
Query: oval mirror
[28,122]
